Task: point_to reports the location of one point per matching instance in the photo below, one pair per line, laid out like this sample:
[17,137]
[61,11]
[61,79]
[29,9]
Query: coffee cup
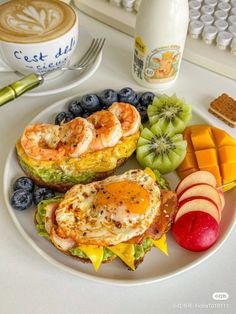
[36,35]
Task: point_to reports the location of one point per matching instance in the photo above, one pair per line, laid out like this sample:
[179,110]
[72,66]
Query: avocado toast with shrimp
[122,216]
[81,150]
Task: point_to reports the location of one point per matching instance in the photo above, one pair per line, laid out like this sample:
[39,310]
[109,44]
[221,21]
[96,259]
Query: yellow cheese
[150,173]
[125,252]
[161,244]
[94,253]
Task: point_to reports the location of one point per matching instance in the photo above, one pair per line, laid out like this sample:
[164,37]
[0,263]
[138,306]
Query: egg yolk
[129,194]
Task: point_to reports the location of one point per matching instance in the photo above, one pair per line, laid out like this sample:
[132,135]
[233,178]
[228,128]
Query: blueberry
[143,112]
[86,114]
[136,100]
[41,194]
[63,117]
[24,183]
[75,108]
[90,103]
[127,94]
[21,199]
[146,99]
[107,97]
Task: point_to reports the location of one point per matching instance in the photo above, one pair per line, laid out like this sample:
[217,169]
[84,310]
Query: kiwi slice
[169,113]
[160,150]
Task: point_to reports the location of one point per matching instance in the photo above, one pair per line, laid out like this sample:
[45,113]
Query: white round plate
[68,79]
[155,267]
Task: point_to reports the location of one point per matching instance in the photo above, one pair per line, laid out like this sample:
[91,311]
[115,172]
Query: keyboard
[211,40]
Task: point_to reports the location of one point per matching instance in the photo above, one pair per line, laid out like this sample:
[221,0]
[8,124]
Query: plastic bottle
[160,35]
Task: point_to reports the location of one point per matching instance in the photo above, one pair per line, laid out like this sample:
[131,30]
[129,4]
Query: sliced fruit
[227,154]
[195,178]
[189,162]
[169,113]
[202,204]
[222,197]
[160,150]
[222,138]
[214,151]
[202,139]
[203,190]
[206,157]
[196,231]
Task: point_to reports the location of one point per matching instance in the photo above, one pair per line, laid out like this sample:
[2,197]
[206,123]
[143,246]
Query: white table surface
[29,284]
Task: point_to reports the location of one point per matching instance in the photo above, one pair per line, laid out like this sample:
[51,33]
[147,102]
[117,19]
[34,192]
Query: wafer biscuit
[224,108]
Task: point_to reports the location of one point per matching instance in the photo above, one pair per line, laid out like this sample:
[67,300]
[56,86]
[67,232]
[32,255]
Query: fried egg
[111,211]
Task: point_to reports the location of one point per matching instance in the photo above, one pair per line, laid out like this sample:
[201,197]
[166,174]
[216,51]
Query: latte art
[34,20]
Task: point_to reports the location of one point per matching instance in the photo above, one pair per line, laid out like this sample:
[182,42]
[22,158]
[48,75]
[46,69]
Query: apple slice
[199,203]
[204,190]
[196,231]
[195,178]
[222,197]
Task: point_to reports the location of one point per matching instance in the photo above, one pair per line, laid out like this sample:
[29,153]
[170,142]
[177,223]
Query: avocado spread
[139,249]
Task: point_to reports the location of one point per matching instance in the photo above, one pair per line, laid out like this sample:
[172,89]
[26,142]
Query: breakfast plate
[156,266]
[68,79]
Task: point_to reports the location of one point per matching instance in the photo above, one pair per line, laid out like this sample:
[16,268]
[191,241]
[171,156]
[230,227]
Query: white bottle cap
[194,15]
[207,19]
[223,40]
[232,30]
[221,15]
[195,28]
[233,3]
[128,4]
[194,5]
[232,20]
[233,47]
[209,34]
[221,25]
[211,3]
[206,9]
[224,6]
[224,1]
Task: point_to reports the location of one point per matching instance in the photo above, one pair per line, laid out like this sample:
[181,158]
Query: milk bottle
[160,34]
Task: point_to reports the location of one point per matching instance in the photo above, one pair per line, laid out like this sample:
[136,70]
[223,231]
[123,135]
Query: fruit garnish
[24,183]
[21,199]
[169,113]
[210,149]
[41,194]
[160,150]
[63,117]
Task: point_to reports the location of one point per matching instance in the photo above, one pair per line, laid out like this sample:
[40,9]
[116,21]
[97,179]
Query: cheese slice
[125,252]
[94,253]
[150,173]
[161,244]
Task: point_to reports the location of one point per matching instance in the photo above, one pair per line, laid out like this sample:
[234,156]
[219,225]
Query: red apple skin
[197,198]
[222,197]
[196,231]
[218,202]
[195,178]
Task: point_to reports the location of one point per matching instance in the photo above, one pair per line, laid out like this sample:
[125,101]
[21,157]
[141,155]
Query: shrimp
[40,142]
[128,116]
[108,130]
[76,136]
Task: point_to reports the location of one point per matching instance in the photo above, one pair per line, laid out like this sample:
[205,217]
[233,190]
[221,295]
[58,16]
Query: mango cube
[202,139]
[189,162]
[215,171]
[228,172]
[227,154]
[207,157]
[222,138]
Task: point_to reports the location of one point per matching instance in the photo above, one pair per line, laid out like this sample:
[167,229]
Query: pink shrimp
[40,142]
[108,130]
[76,136]
[128,116]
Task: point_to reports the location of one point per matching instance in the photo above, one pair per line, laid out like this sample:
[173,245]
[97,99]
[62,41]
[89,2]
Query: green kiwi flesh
[169,113]
[163,151]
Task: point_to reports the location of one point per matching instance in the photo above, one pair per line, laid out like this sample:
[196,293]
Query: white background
[29,284]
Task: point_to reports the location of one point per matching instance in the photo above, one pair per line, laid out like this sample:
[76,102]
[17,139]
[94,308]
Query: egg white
[80,220]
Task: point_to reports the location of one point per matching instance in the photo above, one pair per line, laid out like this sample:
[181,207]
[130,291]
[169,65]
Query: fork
[33,80]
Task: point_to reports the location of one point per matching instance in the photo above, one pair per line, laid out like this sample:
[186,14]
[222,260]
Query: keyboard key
[209,34]
[232,20]
[195,29]
[221,15]
[223,40]
[221,25]
[207,19]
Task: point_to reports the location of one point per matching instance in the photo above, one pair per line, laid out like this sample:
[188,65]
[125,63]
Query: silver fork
[33,80]
[89,56]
